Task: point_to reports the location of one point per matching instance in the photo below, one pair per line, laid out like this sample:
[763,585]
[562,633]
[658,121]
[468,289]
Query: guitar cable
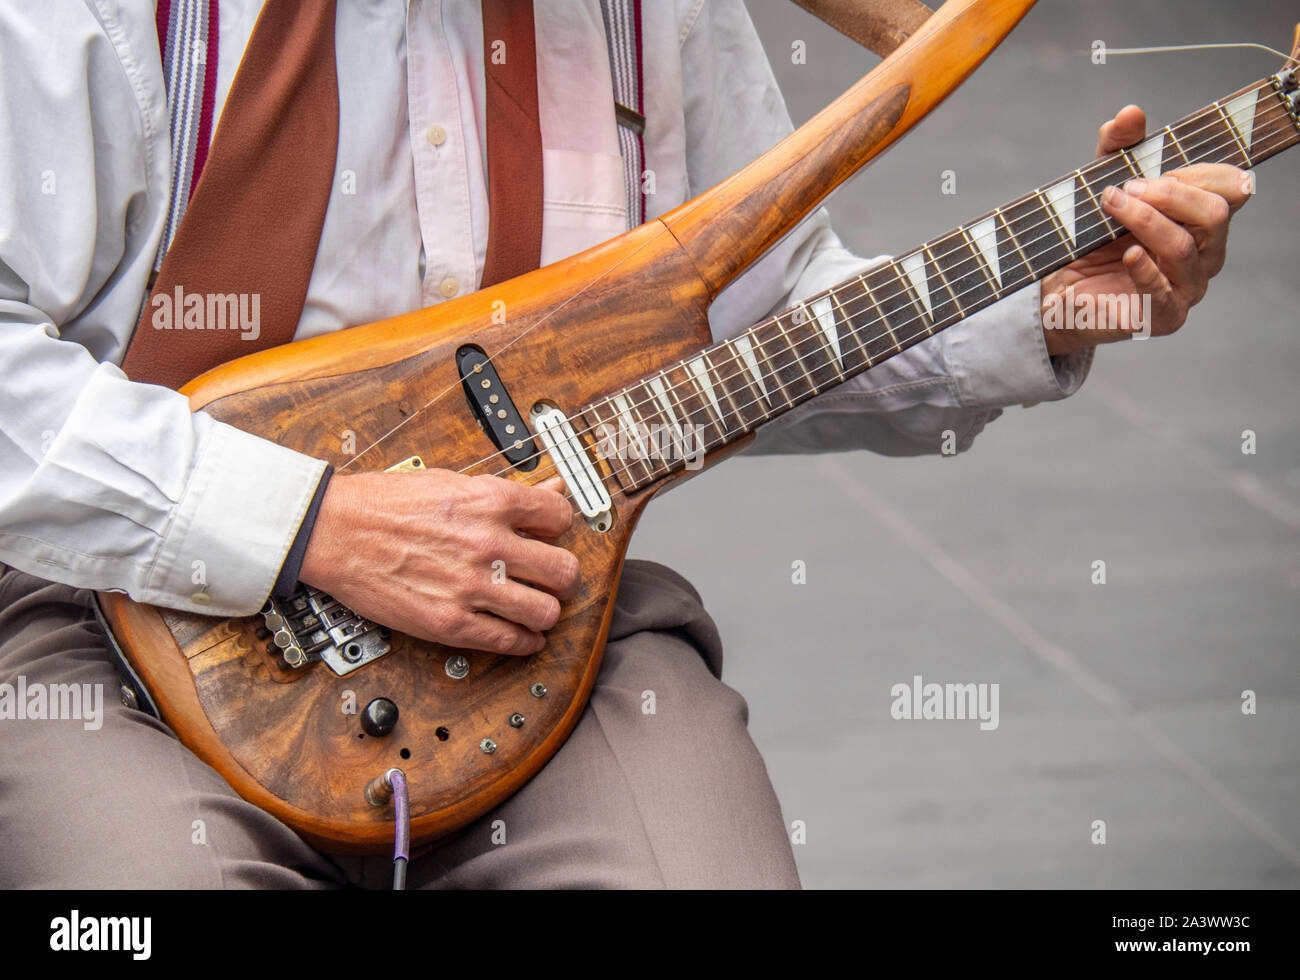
[392,785]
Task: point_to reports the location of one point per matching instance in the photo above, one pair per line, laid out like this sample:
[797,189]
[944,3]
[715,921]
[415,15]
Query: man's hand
[1178,238]
[416,552]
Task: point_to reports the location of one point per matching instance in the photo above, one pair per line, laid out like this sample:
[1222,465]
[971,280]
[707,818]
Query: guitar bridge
[311,625]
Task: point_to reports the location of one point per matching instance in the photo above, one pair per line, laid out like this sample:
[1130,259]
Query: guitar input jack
[379,791]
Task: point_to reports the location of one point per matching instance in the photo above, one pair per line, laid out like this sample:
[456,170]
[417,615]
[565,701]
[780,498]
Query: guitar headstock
[1288,79]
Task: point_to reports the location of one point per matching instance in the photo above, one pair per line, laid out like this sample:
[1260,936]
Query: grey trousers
[675,799]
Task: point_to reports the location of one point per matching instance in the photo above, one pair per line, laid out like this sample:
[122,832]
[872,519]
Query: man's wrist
[287,581]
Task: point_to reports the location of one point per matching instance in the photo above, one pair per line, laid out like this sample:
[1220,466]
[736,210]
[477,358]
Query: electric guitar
[603,372]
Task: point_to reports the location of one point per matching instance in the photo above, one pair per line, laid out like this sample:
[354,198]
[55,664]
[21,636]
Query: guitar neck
[727,390]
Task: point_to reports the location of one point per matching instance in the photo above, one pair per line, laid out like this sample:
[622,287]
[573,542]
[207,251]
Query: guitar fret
[1177,144]
[959,267]
[1232,131]
[744,344]
[1243,114]
[697,372]
[1109,172]
[943,314]
[1133,170]
[693,404]
[1272,122]
[632,470]
[1149,155]
[740,383]
[897,311]
[1060,212]
[823,311]
[789,367]
[916,285]
[605,429]
[1170,151]
[1039,233]
[855,304]
[1015,265]
[983,244]
[663,400]
[1192,132]
[694,438]
[659,437]
[767,348]
[722,380]
[752,397]
[1093,233]
[817,355]
[632,438]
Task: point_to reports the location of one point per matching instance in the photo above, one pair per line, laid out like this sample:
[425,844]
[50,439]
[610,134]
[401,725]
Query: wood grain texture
[572,332]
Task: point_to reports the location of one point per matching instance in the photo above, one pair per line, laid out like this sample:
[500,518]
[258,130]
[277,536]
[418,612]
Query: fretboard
[655,425]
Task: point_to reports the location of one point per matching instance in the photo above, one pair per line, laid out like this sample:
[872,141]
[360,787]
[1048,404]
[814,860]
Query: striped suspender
[187,38]
[623,36]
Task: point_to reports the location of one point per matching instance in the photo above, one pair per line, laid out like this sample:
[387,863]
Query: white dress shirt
[110,484]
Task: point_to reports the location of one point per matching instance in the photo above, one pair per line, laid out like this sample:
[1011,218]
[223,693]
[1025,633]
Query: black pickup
[495,410]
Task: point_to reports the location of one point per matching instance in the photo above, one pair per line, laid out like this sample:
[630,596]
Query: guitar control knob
[379,717]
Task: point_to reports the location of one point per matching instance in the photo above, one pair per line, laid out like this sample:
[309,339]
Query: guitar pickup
[575,466]
[494,409]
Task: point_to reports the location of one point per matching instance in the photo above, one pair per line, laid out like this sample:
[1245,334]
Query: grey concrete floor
[1119,702]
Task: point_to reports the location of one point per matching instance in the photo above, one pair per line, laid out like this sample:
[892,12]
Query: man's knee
[94,794]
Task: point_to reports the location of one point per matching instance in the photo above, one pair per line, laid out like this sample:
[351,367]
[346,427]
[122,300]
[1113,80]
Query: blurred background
[1119,702]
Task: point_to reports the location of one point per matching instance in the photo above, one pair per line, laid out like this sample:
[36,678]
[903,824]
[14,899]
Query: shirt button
[200,598]
[450,287]
[436,135]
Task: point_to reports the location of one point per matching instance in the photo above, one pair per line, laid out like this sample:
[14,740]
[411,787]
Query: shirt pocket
[584,201]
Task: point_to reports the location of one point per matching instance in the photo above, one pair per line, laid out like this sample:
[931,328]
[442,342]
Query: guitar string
[441,394]
[799,358]
[1091,168]
[1161,49]
[872,297]
[533,326]
[865,302]
[656,469]
[1110,158]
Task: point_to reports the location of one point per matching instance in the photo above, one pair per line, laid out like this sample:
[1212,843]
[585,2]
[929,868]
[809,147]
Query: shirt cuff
[998,356]
[287,583]
[234,524]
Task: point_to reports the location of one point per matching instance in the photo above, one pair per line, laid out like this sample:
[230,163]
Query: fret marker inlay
[984,235]
[746,348]
[1241,111]
[914,266]
[630,425]
[664,402]
[1061,197]
[826,320]
[1148,155]
[737,384]
[700,368]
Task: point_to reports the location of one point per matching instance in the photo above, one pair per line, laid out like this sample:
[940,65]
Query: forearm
[107,484]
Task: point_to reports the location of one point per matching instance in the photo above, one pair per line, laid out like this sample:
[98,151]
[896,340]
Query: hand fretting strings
[1273,131]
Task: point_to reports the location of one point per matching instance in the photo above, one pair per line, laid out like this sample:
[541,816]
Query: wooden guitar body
[281,736]
[373,396]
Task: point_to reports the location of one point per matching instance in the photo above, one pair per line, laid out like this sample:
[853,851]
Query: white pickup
[574,465]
